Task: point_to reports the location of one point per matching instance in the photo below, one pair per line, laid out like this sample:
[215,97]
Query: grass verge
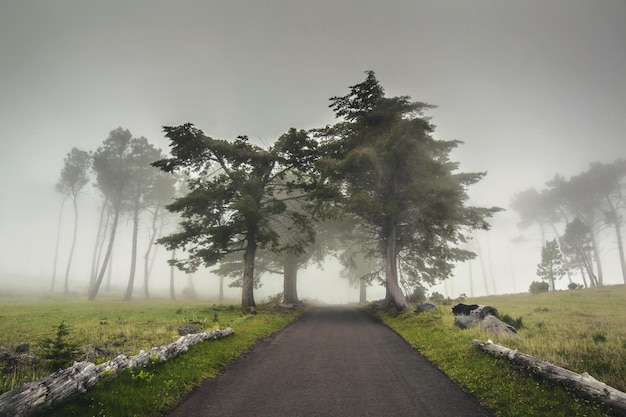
[505,390]
[130,327]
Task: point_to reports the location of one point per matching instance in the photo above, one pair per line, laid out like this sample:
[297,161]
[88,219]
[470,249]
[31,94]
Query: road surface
[333,361]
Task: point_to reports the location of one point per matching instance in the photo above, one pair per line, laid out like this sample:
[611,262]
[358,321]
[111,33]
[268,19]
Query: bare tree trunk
[69,261]
[615,220]
[146,257]
[247,292]
[172,288]
[596,256]
[221,290]
[394,295]
[290,280]
[133,261]
[97,247]
[93,291]
[56,248]
[362,291]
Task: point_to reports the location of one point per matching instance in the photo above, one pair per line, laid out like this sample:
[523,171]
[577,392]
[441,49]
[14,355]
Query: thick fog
[532,88]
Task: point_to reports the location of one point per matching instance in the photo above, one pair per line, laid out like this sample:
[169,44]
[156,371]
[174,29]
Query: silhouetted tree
[110,163]
[397,179]
[74,178]
[235,189]
[551,267]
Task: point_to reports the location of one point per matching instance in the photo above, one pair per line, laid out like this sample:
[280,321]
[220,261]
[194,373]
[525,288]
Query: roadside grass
[581,330]
[128,327]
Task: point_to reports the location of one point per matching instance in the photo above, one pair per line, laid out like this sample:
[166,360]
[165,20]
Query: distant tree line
[128,186]
[578,212]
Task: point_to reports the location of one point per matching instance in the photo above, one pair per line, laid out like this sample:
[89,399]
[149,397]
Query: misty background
[532,88]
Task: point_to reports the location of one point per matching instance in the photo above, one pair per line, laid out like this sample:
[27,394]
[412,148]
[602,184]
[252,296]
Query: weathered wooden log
[583,384]
[49,392]
[65,385]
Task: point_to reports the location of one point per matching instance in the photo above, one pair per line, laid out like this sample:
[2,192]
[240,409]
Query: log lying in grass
[65,385]
[584,384]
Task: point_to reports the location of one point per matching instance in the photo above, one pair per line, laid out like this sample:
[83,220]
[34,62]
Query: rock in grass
[495,326]
[427,306]
[466,322]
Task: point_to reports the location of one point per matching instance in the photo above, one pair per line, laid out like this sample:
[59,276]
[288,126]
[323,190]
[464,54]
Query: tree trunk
[247,291]
[362,291]
[172,288]
[133,261]
[596,256]
[95,261]
[56,248]
[221,290]
[146,257]
[93,291]
[66,288]
[394,296]
[290,280]
[616,221]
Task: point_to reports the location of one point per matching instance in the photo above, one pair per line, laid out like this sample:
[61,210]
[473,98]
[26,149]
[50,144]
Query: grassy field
[110,327]
[582,330]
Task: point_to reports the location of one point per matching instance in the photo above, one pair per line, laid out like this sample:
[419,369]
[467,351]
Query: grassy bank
[580,330]
[111,327]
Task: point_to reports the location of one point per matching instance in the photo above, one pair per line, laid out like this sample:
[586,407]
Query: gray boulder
[466,322]
[427,306]
[493,325]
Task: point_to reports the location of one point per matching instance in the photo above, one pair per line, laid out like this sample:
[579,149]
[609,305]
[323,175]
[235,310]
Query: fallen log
[584,384]
[67,384]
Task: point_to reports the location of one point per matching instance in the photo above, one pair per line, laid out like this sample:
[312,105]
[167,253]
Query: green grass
[130,327]
[581,330]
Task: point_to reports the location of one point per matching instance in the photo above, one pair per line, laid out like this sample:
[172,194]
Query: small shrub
[574,286]
[598,337]
[518,323]
[538,287]
[59,351]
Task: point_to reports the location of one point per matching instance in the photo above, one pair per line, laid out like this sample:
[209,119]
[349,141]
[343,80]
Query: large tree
[236,188]
[398,180]
[74,178]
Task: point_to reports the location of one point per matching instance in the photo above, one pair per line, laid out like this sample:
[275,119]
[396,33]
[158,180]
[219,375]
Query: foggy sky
[533,88]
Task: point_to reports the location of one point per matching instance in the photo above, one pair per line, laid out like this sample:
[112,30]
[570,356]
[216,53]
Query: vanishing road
[333,361]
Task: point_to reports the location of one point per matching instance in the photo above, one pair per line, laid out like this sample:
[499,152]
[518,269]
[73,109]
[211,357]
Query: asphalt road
[333,361]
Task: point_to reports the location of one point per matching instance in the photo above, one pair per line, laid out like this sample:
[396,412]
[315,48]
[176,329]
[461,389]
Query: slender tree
[110,163]
[551,267]
[141,178]
[74,178]
[393,175]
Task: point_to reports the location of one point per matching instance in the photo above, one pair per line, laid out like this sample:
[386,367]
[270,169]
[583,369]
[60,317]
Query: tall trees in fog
[74,178]
[578,211]
[398,180]
[129,185]
[109,164]
[236,188]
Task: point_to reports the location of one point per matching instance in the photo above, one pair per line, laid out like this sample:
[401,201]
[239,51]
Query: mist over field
[532,89]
